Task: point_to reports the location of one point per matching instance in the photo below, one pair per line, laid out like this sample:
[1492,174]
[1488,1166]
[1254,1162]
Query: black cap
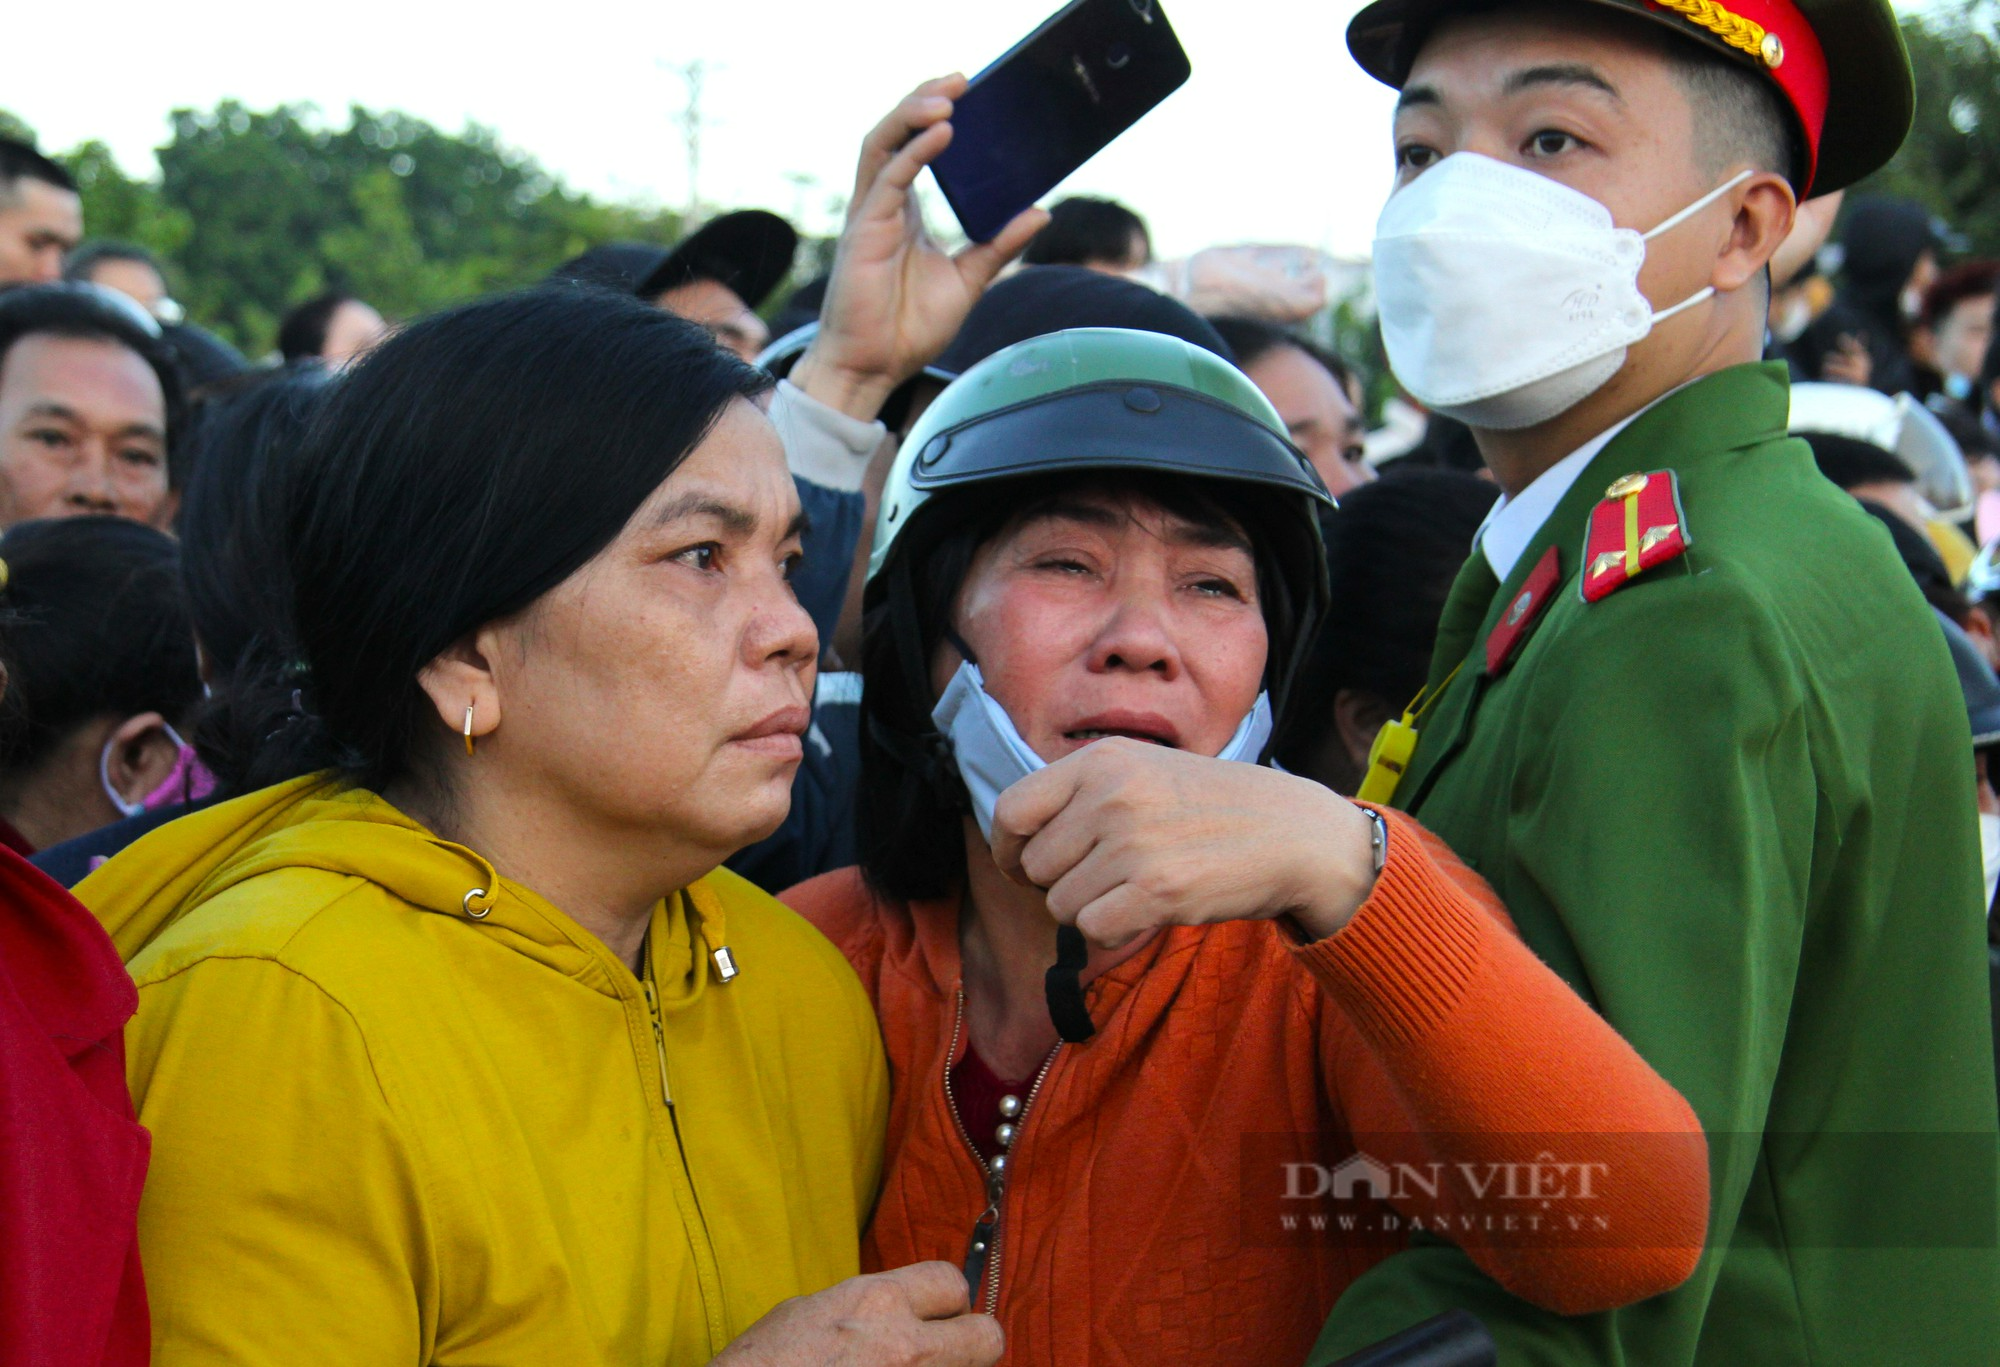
[749,251]
[1044,299]
[616,266]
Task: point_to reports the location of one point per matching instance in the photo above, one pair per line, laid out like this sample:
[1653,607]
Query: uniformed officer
[1687,712]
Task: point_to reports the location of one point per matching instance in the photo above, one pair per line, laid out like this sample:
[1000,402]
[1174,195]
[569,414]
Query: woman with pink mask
[1151,1006]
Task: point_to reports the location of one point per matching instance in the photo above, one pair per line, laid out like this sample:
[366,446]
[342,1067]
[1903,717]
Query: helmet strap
[1063,987]
[958,644]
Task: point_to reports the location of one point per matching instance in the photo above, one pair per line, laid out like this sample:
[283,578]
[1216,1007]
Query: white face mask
[1989,848]
[1507,298]
[992,757]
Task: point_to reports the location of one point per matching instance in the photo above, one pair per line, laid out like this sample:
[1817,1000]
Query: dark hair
[1850,462]
[1975,440]
[1967,280]
[95,626]
[909,801]
[1044,299]
[1082,230]
[19,161]
[81,312]
[469,465]
[1253,338]
[86,258]
[302,332]
[233,528]
[1882,240]
[1393,548]
[1739,113]
[1447,444]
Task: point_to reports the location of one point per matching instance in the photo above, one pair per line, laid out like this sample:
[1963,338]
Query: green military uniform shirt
[1732,804]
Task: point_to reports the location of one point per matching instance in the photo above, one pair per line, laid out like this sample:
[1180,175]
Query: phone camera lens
[1118,57]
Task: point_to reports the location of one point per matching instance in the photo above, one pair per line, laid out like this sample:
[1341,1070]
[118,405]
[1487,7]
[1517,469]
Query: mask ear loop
[1707,292]
[1684,215]
[127,806]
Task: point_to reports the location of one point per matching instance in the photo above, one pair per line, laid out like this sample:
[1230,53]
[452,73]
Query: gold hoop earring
[468,727]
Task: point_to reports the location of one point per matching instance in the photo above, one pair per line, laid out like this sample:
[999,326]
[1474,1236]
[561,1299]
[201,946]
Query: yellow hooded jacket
[387,1131]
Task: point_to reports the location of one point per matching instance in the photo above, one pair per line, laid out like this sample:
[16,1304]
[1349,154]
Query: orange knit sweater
[1232,1073]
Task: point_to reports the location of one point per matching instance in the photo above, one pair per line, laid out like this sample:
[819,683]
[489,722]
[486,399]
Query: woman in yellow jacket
[460,1049]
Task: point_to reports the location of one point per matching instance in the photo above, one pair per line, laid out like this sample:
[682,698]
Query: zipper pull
[659,1039]
[978,1250]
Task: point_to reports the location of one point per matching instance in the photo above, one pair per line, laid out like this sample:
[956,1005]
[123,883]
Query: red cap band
[1778,37]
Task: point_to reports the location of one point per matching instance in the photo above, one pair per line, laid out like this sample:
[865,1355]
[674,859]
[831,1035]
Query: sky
[1277,136]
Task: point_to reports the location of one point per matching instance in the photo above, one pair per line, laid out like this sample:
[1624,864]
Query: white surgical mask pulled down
[992,757]
[1507,298]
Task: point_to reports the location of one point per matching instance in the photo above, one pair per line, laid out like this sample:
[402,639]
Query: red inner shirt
[977,1089]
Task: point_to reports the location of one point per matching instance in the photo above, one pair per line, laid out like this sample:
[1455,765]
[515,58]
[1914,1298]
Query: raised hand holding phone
[895,298]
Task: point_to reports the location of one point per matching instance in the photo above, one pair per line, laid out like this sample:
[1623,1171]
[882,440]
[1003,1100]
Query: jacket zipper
[982,1254]
[707,1272]
[659,1037]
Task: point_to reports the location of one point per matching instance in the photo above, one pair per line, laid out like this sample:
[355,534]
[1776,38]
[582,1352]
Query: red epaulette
[1638,526]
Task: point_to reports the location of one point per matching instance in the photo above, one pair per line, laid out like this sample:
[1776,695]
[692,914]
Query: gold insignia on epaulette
[1637,527]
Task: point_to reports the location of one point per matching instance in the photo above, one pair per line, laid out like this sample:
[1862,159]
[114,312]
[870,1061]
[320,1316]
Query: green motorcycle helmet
[1093,399]
[1116,401]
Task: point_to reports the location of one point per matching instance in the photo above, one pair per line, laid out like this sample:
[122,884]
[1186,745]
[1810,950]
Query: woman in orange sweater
[1304,1030]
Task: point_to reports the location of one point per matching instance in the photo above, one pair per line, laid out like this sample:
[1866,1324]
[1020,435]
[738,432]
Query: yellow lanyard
[1396,742]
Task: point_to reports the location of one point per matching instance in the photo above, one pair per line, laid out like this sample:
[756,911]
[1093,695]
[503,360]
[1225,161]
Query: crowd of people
[1010,803]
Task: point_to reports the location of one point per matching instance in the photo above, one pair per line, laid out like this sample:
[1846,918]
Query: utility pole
[692,74]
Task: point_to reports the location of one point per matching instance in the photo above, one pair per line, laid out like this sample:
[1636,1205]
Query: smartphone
[1052,103]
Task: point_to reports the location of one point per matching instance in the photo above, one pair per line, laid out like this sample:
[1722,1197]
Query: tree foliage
[1951,162]
[258,211]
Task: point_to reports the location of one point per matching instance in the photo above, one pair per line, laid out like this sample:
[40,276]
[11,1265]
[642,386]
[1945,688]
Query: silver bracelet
[1378,838]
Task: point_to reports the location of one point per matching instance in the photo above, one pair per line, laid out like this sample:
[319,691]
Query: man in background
[41,216]
[1953,332]
[335,329]
[1098,234]
[87,402]
[720,275]
[133,271]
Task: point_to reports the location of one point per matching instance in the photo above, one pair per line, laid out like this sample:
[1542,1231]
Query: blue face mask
[992,757]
